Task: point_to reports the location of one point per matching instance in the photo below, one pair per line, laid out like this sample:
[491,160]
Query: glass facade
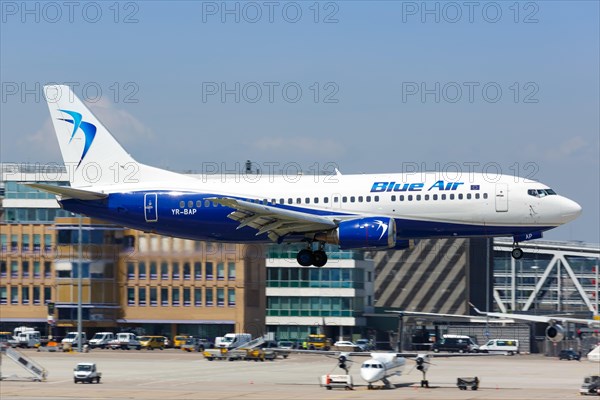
[296,306]
[295,277]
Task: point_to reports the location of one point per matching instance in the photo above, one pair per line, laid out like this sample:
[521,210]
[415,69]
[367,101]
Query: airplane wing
[68,192]
[549,319]
[273,221]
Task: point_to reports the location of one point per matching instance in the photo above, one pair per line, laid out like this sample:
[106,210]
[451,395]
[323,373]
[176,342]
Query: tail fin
[90,153]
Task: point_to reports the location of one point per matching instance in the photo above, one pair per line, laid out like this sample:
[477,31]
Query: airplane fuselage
[422,205]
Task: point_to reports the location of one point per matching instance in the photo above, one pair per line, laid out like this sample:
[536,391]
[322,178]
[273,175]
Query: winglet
[476,309]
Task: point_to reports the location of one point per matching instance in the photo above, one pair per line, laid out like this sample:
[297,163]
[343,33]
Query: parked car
[179,340]
[344,343]
[152,342]
[364,344]
[455,343]
[197,344]
[569,355]
[286,344]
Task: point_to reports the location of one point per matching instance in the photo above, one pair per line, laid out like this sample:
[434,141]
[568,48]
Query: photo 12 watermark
[54,12]
[90,92]
[470,92]
[270,12]
[270,92]
[470,12]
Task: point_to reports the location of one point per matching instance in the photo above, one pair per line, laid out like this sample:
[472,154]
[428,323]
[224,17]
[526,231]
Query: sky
[366,87]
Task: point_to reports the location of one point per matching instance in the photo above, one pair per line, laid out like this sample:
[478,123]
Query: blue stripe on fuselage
[211,223]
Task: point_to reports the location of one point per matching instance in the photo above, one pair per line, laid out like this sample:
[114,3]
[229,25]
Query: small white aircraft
[380,366]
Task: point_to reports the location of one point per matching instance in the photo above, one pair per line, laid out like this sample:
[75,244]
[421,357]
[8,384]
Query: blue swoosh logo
[89,130]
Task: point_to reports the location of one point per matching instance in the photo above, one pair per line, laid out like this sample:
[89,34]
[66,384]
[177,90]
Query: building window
[209,271]
[153,297]
[25,269]
[197,297]
[142,296]
[220,297]
[36,269]
[176,296]
[24,242]
[37,242]
[153,269]
[3,269]
[142,270]
[47,294]
[164,270]
[3,295]
[14,242]
[4,241]
[130,296]
[187,271]
[14,269]
[14,295]
[209,297]
[175,270]
[231,297]
[47,269]
[164,296]
[187,297]
[231,271]
[198,271]
[220,271]
[130,271]
[36,295]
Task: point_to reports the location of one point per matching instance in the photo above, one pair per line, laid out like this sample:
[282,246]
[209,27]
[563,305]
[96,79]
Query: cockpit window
[540,192]
[375,366]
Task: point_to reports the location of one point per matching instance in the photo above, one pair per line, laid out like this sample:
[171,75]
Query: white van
[101,339]
[510,346]
[233,340]
[73,339]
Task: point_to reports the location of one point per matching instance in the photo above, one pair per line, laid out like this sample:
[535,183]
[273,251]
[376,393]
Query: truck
[101,339]
[590,386]
[125,341]
[28,338]
[233,340]
[73,338]
[86,372]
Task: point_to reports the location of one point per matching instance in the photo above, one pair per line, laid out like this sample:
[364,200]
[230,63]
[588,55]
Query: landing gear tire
[517,253]
[305,258]
[319,258]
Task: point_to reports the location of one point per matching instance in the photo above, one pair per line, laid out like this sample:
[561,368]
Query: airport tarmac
[174,374]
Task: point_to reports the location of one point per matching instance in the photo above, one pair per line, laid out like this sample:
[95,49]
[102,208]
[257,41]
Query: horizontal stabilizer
[69,192]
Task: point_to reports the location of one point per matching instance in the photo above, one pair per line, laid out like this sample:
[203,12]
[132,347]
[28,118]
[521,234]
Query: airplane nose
[570,210]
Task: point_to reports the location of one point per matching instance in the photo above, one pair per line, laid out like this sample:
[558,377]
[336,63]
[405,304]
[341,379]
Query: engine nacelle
[555,333]
[362,233]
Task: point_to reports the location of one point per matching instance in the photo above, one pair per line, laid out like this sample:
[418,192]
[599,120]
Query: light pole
[79,282]
[535,294]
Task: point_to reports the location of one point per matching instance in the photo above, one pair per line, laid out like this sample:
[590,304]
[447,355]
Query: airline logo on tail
[89,130]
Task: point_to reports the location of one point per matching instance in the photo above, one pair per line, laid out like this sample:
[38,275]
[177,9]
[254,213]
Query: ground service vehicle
[590,386]
[73,338]
[510,346]
[569,355]
[101,339]
[455,343]
[196,344]
[152,342]
[179,340]
[233,340]
[86,372]
[318,342]
[125,341]
[26,339]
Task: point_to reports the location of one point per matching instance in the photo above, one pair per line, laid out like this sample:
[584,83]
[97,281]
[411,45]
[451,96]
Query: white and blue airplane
[377,212]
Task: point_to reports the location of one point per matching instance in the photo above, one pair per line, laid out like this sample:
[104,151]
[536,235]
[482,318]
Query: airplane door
[501,197]
[150,208]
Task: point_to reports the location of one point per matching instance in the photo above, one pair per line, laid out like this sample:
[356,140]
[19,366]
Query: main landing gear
[307,257]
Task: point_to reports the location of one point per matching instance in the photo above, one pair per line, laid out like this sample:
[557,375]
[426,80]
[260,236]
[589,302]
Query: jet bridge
[39,373]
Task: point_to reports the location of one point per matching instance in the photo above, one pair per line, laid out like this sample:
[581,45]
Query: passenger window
[443,197]
[435,196]
[344,199]
[298,200]
[290,201]
[368,198]
[182,204]
[316,200]
[326,200]
[198,203]
[468,196]
[360,199]
[352,199]
[401,197]
[477,195]
[393,197]
[452,196]
[426,197]
[410,197]
[281,201]
[307,200]
[206,203]
[418,197]
[485,196]
[460,196]
[376,199]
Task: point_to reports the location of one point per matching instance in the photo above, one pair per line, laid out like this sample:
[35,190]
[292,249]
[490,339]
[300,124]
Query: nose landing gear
[517,252]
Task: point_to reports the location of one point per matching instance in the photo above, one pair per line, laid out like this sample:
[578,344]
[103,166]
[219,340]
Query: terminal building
[152,284]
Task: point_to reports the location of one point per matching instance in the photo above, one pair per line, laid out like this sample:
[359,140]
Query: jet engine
[555,333]
[362,233]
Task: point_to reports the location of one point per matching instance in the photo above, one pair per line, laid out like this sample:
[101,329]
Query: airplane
[382,365]
[555,332]
[375,212]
